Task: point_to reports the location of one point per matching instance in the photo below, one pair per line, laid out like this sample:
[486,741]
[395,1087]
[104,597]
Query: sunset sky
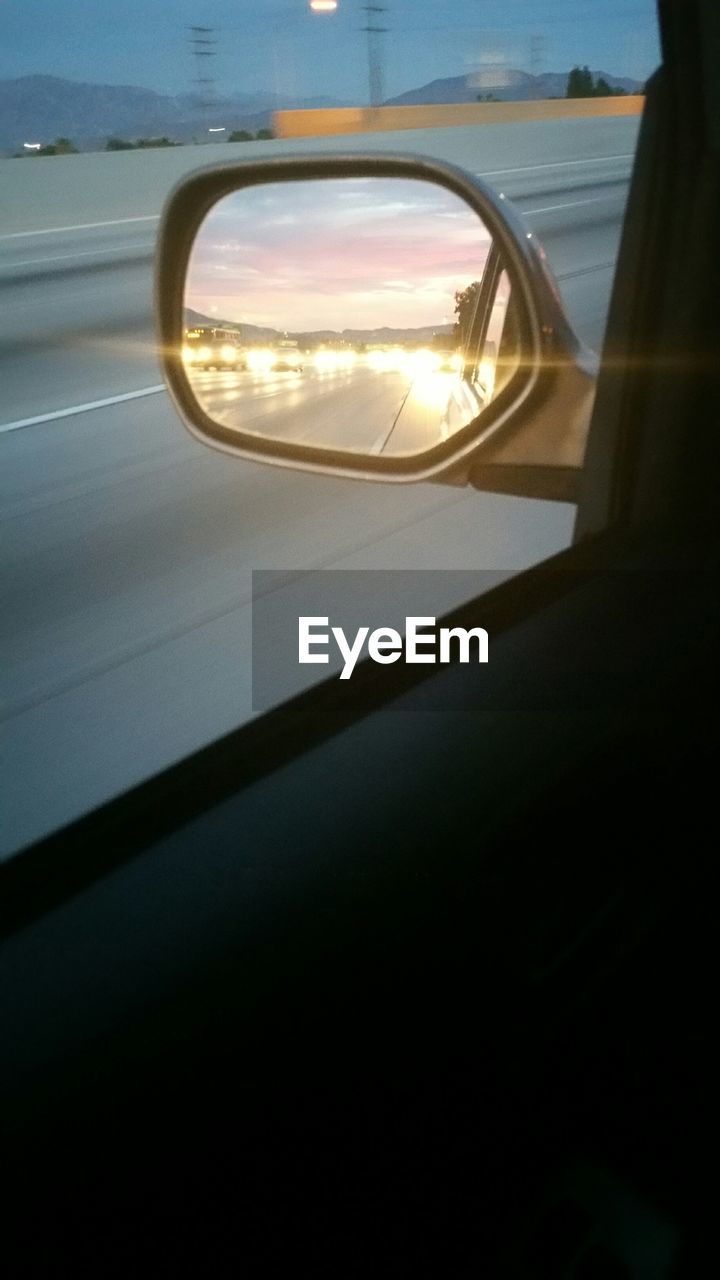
[349,253]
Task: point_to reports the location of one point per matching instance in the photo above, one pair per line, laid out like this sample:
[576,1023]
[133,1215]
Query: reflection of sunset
[336,254]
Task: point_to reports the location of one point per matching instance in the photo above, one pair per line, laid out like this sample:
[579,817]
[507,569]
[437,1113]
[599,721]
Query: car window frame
[74,856]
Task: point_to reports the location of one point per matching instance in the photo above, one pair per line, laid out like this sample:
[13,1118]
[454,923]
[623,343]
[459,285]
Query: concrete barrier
[69,192]
[343,120]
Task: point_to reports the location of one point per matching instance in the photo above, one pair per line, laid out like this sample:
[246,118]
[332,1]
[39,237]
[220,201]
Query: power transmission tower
[203,42]
[375,54]
[537,55]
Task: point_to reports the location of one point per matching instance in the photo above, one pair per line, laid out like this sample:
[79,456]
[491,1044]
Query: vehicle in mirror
[385,318]
[209,346]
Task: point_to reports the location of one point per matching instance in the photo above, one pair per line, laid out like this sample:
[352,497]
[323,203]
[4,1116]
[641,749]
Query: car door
[490,348]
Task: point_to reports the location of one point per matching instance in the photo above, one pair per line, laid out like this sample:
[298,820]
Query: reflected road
[357,409]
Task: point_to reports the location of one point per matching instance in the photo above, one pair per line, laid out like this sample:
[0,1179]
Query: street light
[323,6]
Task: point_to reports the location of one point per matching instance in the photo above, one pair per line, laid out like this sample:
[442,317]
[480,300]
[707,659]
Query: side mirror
[386,318]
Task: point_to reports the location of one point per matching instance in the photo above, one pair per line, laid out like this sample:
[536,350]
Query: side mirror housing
[372,316]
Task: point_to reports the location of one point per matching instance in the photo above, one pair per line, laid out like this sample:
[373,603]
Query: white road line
[80,408]
[553,164]
[571,204]
[85,253]
[80,226]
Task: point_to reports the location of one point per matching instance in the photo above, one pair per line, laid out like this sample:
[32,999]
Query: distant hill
[41,108]
[252,333]
[506,84]
[385,334]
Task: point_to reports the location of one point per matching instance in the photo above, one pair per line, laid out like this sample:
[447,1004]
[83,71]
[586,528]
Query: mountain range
[254,333]
[503,83]
[41,108]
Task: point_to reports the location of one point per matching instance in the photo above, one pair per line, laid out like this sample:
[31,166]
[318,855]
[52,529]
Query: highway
[127,547]
[358,409]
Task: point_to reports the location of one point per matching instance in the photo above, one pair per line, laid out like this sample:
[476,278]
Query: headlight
[424,361]
[260,360]
[204,353]
[188,353]
[386,361]
[326,361]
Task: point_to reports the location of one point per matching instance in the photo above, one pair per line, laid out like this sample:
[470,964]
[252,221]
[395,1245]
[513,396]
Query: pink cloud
[333,266]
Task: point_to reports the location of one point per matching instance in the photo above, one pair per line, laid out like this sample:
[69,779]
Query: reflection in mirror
[354,314]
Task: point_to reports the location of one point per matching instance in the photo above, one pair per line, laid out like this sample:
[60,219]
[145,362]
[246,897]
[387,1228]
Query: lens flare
[260,361]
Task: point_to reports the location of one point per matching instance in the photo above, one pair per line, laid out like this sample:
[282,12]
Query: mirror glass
[367,315]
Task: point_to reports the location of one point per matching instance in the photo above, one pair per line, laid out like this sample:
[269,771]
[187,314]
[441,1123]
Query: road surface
[358,409]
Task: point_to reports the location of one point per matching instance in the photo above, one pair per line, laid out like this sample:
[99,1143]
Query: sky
[350,253]
[281,46]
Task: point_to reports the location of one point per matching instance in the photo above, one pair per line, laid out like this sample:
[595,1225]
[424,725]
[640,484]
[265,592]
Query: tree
[119,144]
[60,147]
[580,83]
[603,90]
[263,134]
[465,304]
[143,143]
[487,97]
[240,135]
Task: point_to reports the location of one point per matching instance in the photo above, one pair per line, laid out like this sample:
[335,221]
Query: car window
[128,548]
[496,354]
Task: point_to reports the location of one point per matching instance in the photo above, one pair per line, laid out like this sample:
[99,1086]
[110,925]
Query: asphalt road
[359,409]
[127,547]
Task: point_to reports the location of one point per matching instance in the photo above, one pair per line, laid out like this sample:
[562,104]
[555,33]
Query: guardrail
[338,120]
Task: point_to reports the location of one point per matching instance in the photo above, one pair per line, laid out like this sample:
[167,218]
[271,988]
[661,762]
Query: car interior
[417,979]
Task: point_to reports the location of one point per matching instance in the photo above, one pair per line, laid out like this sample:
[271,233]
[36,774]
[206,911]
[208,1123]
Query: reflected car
[209,348]
[287,357]
[281,357]
[448,353]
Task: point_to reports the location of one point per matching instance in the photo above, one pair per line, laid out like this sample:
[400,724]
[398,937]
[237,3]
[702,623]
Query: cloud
[337,253]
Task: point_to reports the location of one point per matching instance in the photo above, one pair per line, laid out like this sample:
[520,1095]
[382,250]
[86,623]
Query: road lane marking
[585,271]
[80,226]
[570,204]
[80,408]
[85,253]
[553,164]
